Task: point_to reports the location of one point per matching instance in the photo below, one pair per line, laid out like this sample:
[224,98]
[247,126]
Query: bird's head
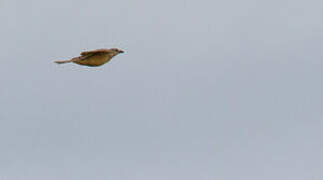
[116,51]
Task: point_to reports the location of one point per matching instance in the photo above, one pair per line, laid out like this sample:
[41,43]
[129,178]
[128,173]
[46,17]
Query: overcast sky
[207,90]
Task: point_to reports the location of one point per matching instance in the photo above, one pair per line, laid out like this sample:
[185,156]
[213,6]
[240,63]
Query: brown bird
[96,57]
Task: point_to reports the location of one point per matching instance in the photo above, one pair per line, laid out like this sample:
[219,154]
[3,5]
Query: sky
[205,90]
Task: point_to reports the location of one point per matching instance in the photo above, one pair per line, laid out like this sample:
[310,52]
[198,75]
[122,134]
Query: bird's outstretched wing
[97,51]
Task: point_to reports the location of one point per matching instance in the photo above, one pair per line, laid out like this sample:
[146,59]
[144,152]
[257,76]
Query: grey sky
[206,90]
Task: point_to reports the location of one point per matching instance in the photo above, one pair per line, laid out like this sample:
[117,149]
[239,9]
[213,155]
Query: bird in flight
[93,58]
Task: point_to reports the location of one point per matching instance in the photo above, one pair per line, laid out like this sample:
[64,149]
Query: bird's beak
[121,51]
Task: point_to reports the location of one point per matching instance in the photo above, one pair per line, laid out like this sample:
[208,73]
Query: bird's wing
[80,58]
[97,51]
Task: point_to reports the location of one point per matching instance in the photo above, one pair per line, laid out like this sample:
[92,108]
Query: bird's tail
[64,61]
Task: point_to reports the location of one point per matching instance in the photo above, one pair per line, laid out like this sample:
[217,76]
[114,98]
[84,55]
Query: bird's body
[95,60]
[96,57]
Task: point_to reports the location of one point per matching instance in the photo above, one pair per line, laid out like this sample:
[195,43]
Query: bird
[93,58]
